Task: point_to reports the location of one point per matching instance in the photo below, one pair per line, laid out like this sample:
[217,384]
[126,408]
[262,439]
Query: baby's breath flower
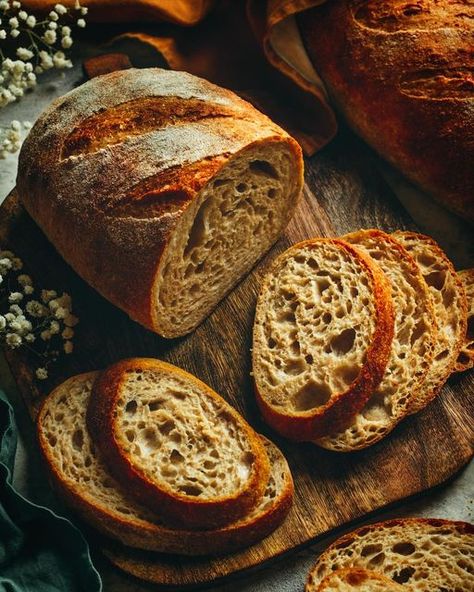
[23,279]
[81,23]
[54,327]
[71,320]
[29,338]
[47,295]
[3,35]
[68,347]
[65,31]
[15,297]
[5,265]
[45,335]
[13,22]
[17,263]
[28,290]
[36,309]
[13,340]
[23,15]
[66,42]
[53,16]
[41,373]
[67,333]
[16,310]
[14,33]
[60,9]
[50,37]
[3,323]
[24,54]
[31,21]
[60,313]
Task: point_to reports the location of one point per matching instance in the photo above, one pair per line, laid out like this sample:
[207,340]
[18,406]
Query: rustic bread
[322,334]
[84,481]
[401,73]
[412,346]
[426,555]
[353,579]
[449,300]
[186,453]
[466,355]
[160,189]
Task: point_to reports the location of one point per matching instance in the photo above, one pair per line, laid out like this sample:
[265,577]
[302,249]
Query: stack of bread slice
[152,457]
[422,555]
[353,334]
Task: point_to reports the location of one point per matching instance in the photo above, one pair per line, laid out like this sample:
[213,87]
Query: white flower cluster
[37,46]
[46,320]
[11,137]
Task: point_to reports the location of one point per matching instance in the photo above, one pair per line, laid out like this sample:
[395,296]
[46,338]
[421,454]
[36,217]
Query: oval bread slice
[85,483]
[449,301]
[426,555]
[184,452]
[465,359]
[322,334]
[412,346]
[355,579]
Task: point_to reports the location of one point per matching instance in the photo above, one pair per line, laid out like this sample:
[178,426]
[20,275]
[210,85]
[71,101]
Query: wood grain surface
[343,192]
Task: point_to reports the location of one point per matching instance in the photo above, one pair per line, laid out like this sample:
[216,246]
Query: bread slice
[85,483]
[465,359]
[321,339]
[426,555]
[449,300]
[412,346]
[355,579]
[183,451]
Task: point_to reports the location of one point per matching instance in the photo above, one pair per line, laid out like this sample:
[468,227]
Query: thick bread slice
[426,555]
[412,346]
[160,189]
[355,579]
[449,300]
[83,480]
[465,359]
[322,334]
[184,452]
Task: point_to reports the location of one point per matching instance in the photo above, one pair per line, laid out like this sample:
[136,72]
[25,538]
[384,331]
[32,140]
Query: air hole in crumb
[198,230]
[192,490]
[436,279]
[327,318]
[271,343]
[263,167]
[272,193]
[295,347]
[176,457]
[294,367]
[52,440]
[78,440]
[309,359]
[131,407]
[344,342]
[241,187]
[404,548]
[403,575]
[313,264]
[311,395]
[130,435]
[220,182]
[370,550]
[323,285]
[377,559]
[155,405]
[166,427]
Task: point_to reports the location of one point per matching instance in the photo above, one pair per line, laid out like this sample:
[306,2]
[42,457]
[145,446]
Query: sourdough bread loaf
[355,579]
[86,484]
[450,306]
[181,449]
[160,189]
[401,73]
[425,555]
[411,352]
[465,359]
[321,339]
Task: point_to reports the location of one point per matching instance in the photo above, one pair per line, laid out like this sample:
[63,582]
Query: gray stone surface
[454,500]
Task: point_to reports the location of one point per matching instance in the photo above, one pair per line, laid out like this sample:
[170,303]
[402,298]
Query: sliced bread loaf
[355,579]
[426,555]
[322,335]
[466,355]
[449,301]
[85,483]
[412,346]
[183,451]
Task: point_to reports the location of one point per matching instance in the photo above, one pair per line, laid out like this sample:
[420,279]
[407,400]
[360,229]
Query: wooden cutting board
[343,193]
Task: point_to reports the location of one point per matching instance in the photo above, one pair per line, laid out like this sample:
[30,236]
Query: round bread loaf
[160,189]
[401,73]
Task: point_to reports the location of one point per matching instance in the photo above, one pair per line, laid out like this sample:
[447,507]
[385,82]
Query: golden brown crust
[114,180]
[465,359]
[174,508]
[402,76]
[335,414]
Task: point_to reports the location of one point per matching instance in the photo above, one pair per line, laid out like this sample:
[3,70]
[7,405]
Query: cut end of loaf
[233,221]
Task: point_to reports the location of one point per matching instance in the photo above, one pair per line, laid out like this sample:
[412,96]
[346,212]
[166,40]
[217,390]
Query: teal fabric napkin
[40,551]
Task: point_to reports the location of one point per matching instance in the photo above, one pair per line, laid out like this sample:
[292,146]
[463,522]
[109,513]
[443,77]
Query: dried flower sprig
[30,317]
[29,47]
